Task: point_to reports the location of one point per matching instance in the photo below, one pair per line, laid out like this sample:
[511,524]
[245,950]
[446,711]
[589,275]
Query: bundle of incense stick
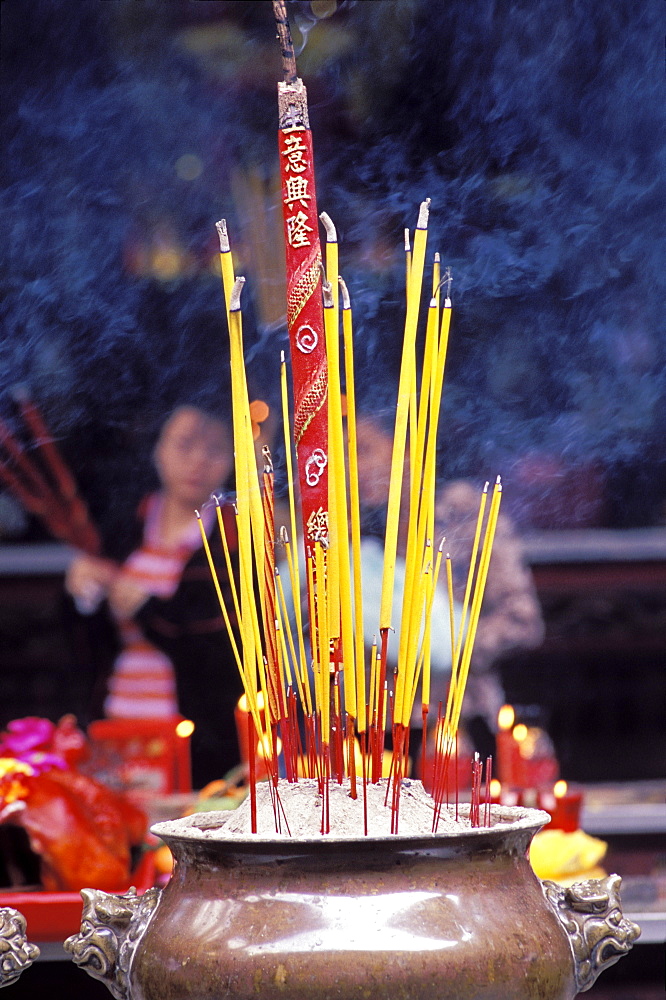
[344,719]
[41,480]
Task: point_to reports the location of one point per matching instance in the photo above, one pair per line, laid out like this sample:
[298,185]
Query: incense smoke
[536,129]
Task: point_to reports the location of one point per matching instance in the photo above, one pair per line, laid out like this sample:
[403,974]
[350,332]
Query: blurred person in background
[511,618]
[175,654]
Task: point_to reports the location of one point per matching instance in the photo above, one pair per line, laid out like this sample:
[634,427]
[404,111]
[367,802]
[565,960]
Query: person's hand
[88,580]
[125,597]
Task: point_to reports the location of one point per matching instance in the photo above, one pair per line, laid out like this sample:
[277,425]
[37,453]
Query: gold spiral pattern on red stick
[304,286]
[311,402]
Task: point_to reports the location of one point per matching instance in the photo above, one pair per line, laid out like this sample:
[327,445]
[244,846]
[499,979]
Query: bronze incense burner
[453,917]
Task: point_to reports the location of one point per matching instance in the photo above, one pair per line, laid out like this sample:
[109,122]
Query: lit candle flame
[506,717]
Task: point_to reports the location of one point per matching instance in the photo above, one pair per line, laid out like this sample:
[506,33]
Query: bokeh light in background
[131,128]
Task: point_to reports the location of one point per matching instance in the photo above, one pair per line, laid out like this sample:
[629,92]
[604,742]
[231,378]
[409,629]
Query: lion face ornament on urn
[453,916]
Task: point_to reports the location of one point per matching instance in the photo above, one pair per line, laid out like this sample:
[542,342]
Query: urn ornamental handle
[111,927]
[591,914]
[16,953]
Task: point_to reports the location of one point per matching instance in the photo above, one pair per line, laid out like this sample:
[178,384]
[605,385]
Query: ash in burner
[302,806]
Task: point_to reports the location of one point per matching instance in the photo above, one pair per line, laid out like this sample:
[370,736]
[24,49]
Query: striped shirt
[143,682]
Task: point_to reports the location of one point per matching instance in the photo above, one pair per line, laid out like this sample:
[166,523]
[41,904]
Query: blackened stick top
[286,43]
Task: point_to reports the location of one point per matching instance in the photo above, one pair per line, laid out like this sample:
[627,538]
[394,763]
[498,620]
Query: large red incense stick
[305,319]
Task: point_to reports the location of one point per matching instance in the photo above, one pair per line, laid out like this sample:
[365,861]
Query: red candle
[568,801]
[506,747]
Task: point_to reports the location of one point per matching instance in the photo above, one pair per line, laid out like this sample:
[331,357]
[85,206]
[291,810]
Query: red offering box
[141,757]
[53,916]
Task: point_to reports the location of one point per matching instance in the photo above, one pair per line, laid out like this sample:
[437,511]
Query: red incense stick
[305,318]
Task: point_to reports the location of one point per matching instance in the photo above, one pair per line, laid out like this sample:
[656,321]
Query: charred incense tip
[407,243]
[215,498]
[424,212]
[327,292]
[437,257]
[221,227]
[327,223]
[285,40]
[447,302]
[234,300]
[498,481]
[198,515]
[485,488]
[433,302]
[282,361]
[344,292]
[284,536]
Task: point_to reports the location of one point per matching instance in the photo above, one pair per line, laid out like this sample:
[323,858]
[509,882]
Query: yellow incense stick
[470,573]
[295,590]
[333,561]
[373,679]
[249,691]
[294,568]
[449,588]
[227,559]
[240,451]
[286,628]
[416,530]
[354,503]
[424,656]
[436,268]
[220,596]
[404,703]
[280,629]
[476,605]
[312,609]
[402,411]
[226,262]
[324,704]
[408,263]
[338,556]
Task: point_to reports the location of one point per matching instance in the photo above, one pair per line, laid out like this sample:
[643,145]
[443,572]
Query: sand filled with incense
[302,807]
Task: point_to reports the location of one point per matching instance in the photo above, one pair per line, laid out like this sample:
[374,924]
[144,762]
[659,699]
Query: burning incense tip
[344,292]
[485,488]
[327,222]
[198,515]
[433,303]
[407,243]
[327,291]
[437,257]
[424,212]
[234,301]
[282,361]
[284,536]
[498,481]
[268,461]
[221,227]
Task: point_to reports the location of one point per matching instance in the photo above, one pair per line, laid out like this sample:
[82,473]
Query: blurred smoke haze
[537,130]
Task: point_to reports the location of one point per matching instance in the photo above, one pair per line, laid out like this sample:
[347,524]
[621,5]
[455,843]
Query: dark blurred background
[536,128]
